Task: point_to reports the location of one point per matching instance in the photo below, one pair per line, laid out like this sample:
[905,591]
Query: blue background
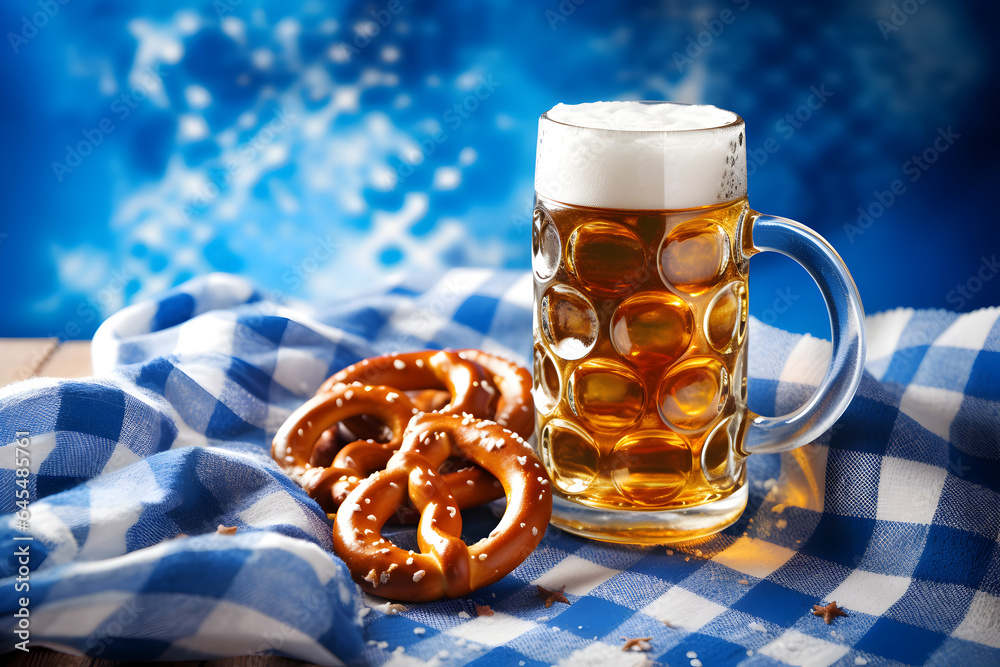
[318,152]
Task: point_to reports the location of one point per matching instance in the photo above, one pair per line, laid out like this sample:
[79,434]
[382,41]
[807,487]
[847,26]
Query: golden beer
[639,362]
[640,246]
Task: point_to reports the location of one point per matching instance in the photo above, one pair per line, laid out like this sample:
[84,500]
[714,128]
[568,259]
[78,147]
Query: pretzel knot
[515,408]
[445,566]
[464,380]
[294,444]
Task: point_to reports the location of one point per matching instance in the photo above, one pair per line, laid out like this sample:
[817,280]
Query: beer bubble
[607,259]
[694,256]
[693,393]
[547,384]
[570,455]
[651,328]
[546,247]
[726,317]
[717,456]
[650,468]
[568,321]
[605,394]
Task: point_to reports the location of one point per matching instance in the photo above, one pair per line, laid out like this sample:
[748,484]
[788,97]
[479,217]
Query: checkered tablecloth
[895,513]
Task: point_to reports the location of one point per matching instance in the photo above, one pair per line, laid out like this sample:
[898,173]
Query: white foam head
[640,155]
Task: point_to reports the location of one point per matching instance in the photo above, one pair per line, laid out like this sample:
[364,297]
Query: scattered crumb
[636,644]
[419,631]
[744,582]
[484,610]
[225,530]
[464,614]
[552,596]
[829,612]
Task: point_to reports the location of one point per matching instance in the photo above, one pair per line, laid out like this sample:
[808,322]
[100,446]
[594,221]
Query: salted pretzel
[422,375]
[515,408]
[470,390]
[294,444]
[445,566]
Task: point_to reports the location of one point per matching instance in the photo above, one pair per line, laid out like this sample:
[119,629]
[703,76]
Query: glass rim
[737,120]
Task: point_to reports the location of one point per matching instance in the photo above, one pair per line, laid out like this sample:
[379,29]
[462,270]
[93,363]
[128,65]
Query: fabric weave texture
[894,513]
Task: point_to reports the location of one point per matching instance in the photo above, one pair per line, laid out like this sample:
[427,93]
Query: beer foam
[640,156]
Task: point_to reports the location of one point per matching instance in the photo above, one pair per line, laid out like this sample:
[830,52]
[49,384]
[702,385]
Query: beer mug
[640,246]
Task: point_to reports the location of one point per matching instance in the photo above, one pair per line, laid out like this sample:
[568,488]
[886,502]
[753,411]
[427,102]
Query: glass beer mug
[640,246]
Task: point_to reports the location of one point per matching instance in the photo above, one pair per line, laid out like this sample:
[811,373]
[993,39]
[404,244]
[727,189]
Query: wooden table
[20,359]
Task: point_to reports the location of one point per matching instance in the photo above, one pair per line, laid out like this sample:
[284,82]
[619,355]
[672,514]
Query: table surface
[20,359]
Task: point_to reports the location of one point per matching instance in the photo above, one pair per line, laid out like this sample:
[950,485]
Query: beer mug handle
[835,391]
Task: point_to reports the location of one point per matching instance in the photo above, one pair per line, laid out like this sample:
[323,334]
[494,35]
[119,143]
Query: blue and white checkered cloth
[894,514]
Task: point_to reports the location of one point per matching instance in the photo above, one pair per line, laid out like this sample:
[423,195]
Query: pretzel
[446,566]
[470,391]
[515,409]
[294,446]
